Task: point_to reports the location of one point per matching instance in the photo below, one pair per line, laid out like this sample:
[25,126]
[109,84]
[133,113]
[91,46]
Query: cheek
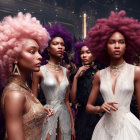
[90,57]
[27,58]
[109,49]
[53,49]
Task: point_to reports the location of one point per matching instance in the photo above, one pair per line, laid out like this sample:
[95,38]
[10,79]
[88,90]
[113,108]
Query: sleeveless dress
[122,124]
[33,119]
[55,95]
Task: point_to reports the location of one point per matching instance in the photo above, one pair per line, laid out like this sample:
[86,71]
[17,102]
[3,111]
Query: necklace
[22,84]
[56,67]
[116,69]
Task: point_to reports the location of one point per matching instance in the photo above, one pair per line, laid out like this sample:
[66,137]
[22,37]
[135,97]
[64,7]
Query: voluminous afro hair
[77,50]
[58,31]
[117,22]
[12,31]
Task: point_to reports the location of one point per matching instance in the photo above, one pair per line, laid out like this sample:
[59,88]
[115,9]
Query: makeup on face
[86,56]
[30,59]
[116,45]
[57,47]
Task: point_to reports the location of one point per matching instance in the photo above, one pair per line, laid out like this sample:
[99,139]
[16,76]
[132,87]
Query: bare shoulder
[14,97]
[14,103]
[97,77]
[137,72]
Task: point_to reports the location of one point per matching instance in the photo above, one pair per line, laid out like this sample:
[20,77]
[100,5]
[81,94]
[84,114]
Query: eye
[32,51]
[111,41]
[122,41]
[88,52]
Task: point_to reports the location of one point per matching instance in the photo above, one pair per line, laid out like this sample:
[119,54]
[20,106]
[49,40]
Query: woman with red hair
[114,41]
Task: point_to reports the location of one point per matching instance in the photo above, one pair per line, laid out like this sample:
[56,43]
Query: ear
[15,61]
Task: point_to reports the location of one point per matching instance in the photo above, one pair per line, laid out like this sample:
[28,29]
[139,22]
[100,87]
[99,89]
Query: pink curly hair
[98,36]
[12,32]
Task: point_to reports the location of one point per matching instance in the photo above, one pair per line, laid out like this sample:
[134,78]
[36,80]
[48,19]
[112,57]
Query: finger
[115,107]
[112,103]
[106,110]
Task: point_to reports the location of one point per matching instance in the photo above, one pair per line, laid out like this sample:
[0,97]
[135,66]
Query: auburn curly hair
[98,36]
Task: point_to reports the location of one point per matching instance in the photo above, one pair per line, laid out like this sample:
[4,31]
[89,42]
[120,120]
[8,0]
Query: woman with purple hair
[115,41]
[54,81]
[81,87]
[20,39]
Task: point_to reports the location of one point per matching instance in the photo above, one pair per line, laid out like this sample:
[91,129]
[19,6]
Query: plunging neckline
[117,80]
[59,84]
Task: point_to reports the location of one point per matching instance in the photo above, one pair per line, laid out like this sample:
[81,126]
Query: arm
[106,106]
[14,103]
[137,86]
[74,84]
[35,82]
[93,95]
[68,105]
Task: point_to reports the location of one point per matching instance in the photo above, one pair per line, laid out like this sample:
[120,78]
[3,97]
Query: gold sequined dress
[33,119]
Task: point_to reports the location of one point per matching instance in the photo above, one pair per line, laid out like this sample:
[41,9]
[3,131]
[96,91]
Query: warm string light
[84,25]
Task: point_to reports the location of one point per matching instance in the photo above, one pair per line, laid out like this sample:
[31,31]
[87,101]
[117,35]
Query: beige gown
[33,119]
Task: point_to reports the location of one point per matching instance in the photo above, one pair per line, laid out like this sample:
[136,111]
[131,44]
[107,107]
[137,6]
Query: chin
[36,69]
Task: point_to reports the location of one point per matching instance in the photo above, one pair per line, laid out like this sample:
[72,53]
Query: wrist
[98,110]
[75,77]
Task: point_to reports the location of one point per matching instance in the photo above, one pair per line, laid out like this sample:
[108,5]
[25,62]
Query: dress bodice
[124,89]
[33,119]
[53,91]
[55,99]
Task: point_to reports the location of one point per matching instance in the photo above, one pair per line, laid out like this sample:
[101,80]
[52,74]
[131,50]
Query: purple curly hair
[58,31]
[77,49]
[98,36]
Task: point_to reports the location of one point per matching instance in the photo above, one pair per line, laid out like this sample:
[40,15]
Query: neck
[23,74]
[115,62]
[54,61]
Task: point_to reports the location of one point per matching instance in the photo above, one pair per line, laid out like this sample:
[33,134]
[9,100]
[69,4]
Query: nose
[117,45]
[59,46]
[84,54]
[39,57]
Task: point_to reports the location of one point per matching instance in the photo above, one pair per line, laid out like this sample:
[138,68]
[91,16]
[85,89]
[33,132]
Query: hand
[73,133]
[81,71]
[108,106]
[49,112]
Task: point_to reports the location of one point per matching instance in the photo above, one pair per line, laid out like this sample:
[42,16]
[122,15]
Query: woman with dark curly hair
[81,88]
[115,41]
[54,81]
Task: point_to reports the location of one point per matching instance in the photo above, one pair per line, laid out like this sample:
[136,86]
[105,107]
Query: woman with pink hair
[21,37]
[114,41]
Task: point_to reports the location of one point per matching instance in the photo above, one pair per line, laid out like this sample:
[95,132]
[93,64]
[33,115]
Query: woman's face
[56,47]
[29,59]
[86,56]
[116,45]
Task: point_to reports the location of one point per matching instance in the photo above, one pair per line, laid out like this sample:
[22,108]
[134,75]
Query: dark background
[69,13]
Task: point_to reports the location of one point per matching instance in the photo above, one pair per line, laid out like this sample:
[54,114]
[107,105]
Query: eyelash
[32,51]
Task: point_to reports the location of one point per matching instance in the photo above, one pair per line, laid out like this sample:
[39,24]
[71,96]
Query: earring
[16,70]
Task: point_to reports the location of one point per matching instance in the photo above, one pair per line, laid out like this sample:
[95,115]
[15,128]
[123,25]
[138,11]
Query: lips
[117,52]
[60,52]
[38,64]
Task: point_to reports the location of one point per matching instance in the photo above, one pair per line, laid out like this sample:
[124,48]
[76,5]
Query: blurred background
[75,15]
